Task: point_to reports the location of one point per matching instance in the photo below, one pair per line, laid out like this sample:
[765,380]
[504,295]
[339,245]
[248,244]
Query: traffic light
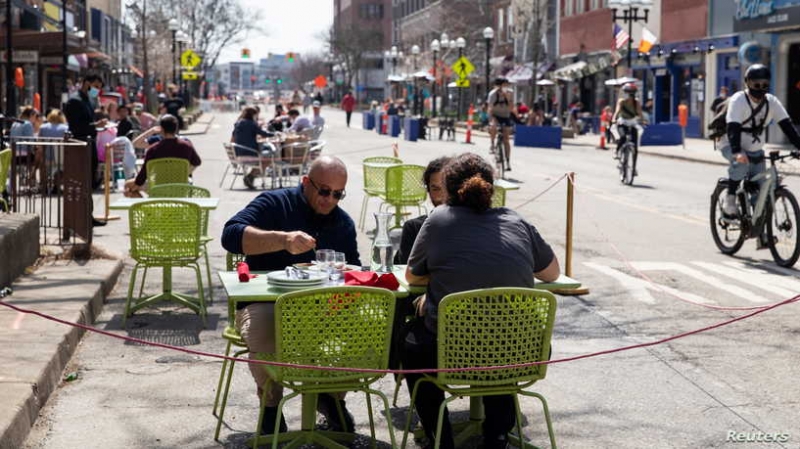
[267,80]
[245,53]
[290,56]
[279,81]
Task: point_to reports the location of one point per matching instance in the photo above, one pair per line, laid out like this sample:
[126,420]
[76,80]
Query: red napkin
[371,279]
[244,272]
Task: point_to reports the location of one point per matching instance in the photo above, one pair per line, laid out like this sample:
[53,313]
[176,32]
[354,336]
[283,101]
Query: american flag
[621,37]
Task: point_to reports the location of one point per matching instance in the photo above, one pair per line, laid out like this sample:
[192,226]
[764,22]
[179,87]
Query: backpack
[498,97]
[718,126]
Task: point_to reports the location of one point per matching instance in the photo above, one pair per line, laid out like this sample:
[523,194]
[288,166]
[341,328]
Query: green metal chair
[344,326]
[167,170]
[166,234]
[374,180]
[405,187]
[492,327]
[189,191]
[232,336]
[499,196]
[5,166]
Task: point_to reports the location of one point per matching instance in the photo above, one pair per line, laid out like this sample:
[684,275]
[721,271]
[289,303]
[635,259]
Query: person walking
[348,104]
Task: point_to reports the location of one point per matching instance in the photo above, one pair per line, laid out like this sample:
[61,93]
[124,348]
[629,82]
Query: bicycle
[775,207]
[499,152]
[628,152]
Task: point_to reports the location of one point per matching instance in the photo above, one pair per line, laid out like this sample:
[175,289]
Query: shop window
[500,22]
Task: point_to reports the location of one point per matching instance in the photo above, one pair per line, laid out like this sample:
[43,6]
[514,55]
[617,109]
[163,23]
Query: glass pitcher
[382,250]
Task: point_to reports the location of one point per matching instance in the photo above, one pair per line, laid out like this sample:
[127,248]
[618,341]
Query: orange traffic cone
[469,124]
[602,136]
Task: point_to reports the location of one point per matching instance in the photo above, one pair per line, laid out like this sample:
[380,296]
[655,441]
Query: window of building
[579,6]
[500,23]
[595,4]
[569,7]
[370,11]
[510,24]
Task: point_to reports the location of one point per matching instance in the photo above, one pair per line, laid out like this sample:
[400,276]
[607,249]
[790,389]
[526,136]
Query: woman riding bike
[629,109]
[501,103]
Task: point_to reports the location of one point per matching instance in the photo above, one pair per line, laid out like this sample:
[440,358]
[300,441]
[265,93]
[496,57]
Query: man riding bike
[629,109]
[749,113]
[501,102]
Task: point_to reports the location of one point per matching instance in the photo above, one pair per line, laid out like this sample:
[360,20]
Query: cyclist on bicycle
[629,109]
[500,105]
[750,111]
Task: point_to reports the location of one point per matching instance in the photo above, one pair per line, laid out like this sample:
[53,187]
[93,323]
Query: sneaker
[498,442]
[326,405]
[249,180]
[729,206]
[97,223]
[270,413]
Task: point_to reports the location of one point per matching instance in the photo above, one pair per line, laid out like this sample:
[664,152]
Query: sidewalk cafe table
[127,203]
[259,290]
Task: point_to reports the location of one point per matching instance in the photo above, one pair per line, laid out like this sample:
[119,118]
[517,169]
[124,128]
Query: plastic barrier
[661,134]
[538,136]
[367,120]
[411,129]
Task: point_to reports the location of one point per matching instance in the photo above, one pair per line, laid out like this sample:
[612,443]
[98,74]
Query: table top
[127,203]
[563,282]
[259,290]
[508,185]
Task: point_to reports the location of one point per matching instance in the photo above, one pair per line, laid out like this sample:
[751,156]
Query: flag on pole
[621,37]
[648,39]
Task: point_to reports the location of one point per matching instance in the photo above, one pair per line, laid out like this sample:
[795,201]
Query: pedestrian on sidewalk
[723,95]
[348,104]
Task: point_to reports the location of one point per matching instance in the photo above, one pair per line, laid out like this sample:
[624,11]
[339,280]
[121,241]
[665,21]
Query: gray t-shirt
[465,250]
[499,104]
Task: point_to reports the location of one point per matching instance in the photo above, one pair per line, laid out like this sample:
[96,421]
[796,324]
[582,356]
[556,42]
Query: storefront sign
[776,17]
[22,56]
[750,9]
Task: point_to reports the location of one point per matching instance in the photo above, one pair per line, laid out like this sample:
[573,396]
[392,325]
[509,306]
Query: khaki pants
[256,324]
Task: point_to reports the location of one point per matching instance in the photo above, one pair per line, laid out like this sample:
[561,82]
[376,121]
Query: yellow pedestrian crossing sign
[462,82]
[190,59]
[190,76]
[463,67]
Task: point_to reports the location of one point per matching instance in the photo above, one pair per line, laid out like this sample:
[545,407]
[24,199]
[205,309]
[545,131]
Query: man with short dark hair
[124,123]
[169,146]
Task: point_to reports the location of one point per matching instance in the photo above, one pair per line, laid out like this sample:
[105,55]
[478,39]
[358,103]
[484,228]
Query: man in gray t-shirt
[464,250]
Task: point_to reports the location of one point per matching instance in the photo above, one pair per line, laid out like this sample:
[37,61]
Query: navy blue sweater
[287,210]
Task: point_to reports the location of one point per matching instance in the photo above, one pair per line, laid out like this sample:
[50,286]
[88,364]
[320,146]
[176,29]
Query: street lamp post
[65,57]
[435,46]
[415,53]
[172,25]
[460,44]
[630,14]
[182,39]
[488,35]
[331,83]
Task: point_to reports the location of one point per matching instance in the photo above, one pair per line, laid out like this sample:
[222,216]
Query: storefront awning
[136,71]
[569,71]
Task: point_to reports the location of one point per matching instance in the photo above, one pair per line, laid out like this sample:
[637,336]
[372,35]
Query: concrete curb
[205,130]
[36,350]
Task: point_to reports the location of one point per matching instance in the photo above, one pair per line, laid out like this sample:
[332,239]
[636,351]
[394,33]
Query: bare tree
[352,47]
[307,67]
[533,21]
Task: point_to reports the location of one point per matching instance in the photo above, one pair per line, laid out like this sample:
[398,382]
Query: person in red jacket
[348,104]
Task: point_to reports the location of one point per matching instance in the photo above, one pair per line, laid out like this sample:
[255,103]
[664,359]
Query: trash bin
[368,120]
[411,129]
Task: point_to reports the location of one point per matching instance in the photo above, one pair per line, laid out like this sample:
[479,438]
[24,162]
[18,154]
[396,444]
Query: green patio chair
[178,190]
[491,327]
[232,336]
[167,170]
[345,326]
[499,196]
[165,234]
[374,180]
[5,166]
[405,187]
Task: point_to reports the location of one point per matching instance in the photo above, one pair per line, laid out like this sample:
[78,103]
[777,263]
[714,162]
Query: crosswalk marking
[750,276]
[702,277]
[639,288]
[788,280]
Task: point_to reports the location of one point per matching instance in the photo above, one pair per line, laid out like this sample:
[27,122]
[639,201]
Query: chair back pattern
[346,326]
[5,166]
[167,170]
[495,327]
[166,231]
[375,173]
[405,186]
[499,197]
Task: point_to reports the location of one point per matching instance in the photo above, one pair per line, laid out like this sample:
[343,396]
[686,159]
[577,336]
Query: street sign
[463,67]
[462,82]
[189,76]
[190,59]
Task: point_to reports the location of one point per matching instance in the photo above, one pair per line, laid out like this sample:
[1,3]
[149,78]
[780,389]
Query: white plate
[279,278]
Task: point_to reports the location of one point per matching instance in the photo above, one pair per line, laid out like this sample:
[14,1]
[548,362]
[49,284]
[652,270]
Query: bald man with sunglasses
[280,228]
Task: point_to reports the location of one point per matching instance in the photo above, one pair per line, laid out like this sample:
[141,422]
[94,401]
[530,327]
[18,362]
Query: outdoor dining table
[127,203]
[259,290]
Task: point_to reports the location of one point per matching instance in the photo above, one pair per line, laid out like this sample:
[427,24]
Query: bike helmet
[500,81]
[629,88]
[757,72]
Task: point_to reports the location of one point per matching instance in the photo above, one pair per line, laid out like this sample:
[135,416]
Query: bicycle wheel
[627,169]
[499,156]
[728,234]
[783,230]
[623,162]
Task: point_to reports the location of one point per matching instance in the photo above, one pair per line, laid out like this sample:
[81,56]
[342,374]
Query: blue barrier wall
[367,120]
[662,134]
[538,136]
[411,129]
[394,125]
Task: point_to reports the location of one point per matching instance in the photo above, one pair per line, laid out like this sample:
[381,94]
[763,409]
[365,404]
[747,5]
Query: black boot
[326,405]
[270,413]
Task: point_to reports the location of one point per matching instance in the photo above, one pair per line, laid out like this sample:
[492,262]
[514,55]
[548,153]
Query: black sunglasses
[763,85]
[337,194]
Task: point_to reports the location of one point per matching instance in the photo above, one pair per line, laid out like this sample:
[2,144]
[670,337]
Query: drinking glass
[339,264]
[325,258]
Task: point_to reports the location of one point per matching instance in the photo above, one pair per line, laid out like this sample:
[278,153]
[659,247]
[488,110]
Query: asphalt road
[645,253]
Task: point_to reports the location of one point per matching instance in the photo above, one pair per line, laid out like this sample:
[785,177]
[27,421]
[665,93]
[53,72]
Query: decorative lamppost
[329,58]
[182,40]
[172,25]
[394,55]
[435,46]
[460,44]
[488,35]
[630,14]
[415,50]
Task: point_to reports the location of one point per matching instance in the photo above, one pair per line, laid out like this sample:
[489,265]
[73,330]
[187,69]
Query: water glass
[339,264]
[325,258]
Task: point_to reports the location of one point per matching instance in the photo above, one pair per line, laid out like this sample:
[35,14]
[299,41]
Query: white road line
[748,276]
[700,276]
[789,281]
[638,288]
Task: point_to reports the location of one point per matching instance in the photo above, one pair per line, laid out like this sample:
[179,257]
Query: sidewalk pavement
[34,352]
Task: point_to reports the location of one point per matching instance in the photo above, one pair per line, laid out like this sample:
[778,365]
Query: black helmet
[757,72]
[500,81]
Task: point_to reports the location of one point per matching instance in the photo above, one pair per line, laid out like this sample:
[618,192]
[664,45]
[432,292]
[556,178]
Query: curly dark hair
[434,166]
[470,182]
